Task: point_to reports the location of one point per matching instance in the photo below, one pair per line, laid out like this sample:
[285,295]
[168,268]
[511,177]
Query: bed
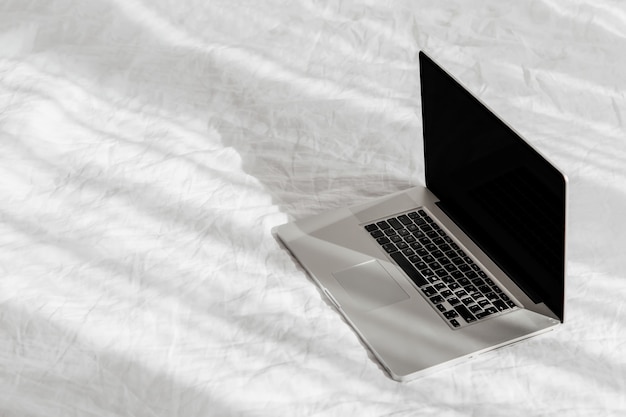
[147,149]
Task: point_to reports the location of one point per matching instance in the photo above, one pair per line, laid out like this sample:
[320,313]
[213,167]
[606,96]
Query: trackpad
[370,286]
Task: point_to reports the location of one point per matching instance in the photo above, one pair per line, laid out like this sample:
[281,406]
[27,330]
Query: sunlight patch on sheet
[259,66]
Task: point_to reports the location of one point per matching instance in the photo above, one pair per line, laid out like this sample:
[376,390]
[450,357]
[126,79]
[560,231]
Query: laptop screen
[494,186]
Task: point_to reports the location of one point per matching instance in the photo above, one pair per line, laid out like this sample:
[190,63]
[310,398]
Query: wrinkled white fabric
[147,148]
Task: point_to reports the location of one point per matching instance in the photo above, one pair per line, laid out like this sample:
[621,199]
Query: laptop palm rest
[369,286]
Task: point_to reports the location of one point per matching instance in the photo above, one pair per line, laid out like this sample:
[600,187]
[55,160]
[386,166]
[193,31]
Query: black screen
[500,191]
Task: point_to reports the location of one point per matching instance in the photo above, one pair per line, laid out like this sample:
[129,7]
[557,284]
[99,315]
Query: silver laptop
[431,276]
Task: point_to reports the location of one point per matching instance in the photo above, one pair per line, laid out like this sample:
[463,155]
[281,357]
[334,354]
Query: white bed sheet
[147,148]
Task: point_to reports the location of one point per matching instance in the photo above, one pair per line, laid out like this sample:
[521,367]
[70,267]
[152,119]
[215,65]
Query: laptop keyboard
[457,288]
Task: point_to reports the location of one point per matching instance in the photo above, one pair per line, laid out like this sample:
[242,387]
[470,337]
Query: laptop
[475,260]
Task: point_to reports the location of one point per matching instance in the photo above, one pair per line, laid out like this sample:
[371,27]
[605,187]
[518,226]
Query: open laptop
[475,260]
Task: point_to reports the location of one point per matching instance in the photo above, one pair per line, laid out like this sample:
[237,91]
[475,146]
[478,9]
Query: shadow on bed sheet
[61,374]
[311,149]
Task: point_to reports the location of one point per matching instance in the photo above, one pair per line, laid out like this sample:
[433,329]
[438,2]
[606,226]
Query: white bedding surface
[147,148]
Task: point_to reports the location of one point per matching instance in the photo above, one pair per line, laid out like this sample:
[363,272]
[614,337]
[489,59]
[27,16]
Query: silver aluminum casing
[408,338]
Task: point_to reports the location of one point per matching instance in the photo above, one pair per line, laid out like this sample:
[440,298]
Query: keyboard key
[421,265]
[390,247]
[484,303]
[395,224]
[482,314]
[413,215]
[371,227]
[451,314]
[382,241]
[465,313]
[434,265]
[478,282]
[471,274]
[383,225]
[454,286]
[430,247]
[475,309]
[377,233]
[395,238]
[500,305]
[405,219]
[437,299]
[441,308]
[476,296]
[432,278]
[458,261]
[438,254]
[408,268]
[441,272]
[484,289]
[453,301]
[492,296]
[429,291]
[454,323]
[470,289]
